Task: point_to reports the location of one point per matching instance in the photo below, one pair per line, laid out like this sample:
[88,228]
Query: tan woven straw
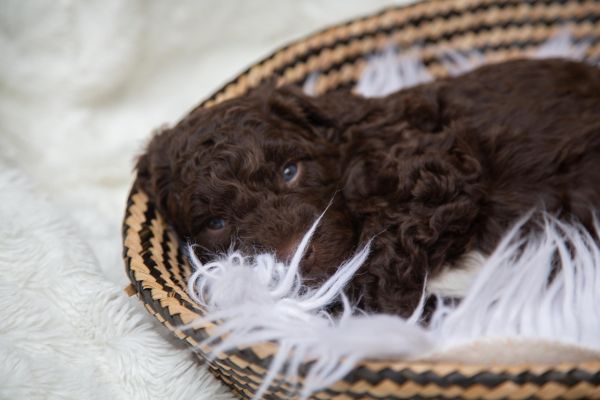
[498,29]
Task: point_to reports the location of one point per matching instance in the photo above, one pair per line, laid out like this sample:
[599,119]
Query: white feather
[390,71]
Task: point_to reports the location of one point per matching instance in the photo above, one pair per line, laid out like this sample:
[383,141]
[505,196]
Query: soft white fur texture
[506,303]
[82,86]
[68,332]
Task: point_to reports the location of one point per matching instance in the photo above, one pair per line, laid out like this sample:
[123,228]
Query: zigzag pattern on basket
[498,29]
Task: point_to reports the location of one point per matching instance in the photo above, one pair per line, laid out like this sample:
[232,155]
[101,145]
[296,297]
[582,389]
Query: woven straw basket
[499,29]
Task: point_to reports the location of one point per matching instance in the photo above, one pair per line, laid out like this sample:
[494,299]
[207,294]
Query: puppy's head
[253,173]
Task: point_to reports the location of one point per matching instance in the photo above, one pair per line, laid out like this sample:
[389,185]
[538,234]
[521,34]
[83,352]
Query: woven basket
[499,29]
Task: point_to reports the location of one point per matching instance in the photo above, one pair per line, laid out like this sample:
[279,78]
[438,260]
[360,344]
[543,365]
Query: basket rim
[137,251]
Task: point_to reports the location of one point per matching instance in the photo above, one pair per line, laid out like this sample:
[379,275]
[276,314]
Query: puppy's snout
[286,251]
[310,255]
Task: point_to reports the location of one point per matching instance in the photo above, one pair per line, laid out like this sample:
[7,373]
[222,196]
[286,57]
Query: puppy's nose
[286,251]
[310,255]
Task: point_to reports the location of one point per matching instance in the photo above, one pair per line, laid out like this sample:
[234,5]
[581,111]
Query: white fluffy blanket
[82,85]
[68,332]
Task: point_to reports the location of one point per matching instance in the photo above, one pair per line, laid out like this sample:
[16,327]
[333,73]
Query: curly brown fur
[432,172]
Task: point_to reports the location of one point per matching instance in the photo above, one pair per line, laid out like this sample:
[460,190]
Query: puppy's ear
[291,104]
[154,171]
[423,110]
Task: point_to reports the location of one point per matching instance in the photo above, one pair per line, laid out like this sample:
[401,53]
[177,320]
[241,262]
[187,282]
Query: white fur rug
[67,332]
[82,85]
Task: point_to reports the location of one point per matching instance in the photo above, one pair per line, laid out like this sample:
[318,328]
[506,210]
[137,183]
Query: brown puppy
[434,172]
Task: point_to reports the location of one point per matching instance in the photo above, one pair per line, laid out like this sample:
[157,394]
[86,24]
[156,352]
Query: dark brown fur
[433,172]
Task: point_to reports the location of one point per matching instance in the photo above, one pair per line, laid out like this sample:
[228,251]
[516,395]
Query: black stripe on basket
[523,44]
[244,381]
[484,27]
[244,374]
[396,396]
[485,378]
[197,334]
[231,384]
[145,237]
[391,28]
[155,273]
[369,395]
[167,256]
[184,266]
[243,377]
[482,49]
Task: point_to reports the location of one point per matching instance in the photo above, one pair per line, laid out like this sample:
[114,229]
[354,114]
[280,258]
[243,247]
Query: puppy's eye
[289,172]
[215,224]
